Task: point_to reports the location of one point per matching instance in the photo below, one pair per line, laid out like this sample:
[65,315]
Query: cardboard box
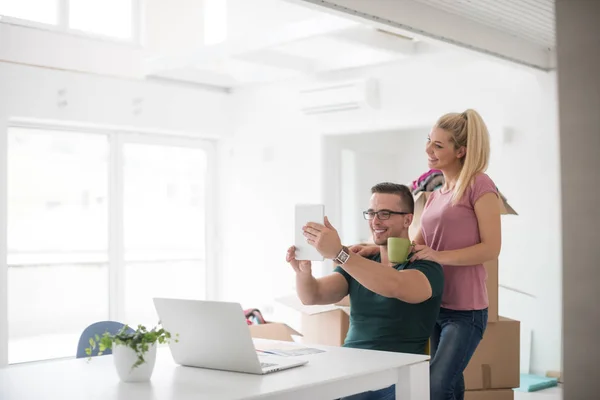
[498,394]
[274,331]
[495,364]
[492,284]
[345,302]
[555,374]
[322,324]
[491,266]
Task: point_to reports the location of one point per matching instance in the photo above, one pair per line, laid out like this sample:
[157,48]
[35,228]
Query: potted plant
[134,352]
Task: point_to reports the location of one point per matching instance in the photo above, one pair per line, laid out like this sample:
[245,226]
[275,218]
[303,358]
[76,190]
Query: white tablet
[306,213]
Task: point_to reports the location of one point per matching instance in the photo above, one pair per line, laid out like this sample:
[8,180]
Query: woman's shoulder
[481,184]
[482,179]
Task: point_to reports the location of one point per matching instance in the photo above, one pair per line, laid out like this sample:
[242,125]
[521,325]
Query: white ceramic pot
[125,357]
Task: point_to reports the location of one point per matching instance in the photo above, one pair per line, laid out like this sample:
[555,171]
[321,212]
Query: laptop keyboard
[267,365]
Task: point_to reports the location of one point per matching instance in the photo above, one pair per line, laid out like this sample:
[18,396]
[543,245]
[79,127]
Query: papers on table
[286,351]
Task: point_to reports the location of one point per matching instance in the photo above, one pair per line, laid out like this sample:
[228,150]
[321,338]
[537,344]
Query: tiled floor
[546,394]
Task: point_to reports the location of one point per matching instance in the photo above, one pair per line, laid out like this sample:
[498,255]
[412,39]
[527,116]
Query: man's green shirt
[389,324]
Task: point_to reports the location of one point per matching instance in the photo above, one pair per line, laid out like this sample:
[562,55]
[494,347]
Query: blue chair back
[97,328]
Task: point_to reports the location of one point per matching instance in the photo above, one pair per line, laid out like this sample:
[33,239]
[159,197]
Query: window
[116,19]
[98,225]
[57,243]
[215,21]
[104,17]
[44,11]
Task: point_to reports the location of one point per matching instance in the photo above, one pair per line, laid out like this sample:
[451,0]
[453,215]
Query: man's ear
[408,220]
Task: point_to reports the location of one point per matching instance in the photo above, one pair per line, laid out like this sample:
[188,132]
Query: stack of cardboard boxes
[493,371]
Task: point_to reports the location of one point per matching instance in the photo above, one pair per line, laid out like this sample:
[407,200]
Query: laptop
[215,335]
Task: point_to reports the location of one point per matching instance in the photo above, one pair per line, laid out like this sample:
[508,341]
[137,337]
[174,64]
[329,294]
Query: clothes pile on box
[254,316]
[428,182]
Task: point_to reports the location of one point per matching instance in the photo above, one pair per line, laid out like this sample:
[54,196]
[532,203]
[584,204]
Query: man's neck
[383,254]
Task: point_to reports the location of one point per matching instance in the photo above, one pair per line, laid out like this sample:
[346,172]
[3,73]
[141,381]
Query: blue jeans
[388,393]
[455,337]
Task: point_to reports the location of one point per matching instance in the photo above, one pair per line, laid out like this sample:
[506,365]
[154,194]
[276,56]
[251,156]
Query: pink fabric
[448,227]
[421,178]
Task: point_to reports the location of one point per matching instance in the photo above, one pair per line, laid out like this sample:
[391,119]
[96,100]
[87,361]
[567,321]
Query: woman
[460,229]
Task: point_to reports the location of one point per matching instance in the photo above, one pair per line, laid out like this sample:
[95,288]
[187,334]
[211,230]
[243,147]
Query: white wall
[55,49]
[273,161]
[48,94]
[526,169]
[371,168]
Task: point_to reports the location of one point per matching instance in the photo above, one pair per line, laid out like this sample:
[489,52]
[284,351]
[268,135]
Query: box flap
[274,331]
[506,208]
[294,302]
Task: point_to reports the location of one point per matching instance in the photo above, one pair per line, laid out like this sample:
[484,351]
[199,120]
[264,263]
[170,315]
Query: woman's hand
[365,250]
[422,252]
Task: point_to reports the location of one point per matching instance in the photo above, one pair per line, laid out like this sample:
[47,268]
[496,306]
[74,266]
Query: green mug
[398,249]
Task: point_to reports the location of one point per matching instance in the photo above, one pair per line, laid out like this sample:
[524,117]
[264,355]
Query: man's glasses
[381,214]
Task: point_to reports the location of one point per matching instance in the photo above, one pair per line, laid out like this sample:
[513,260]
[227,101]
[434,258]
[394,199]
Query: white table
[334,373]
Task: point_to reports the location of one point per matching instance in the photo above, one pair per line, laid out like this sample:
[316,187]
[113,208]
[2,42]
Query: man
[393,307]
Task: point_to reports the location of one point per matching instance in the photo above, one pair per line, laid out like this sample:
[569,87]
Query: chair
[97,328]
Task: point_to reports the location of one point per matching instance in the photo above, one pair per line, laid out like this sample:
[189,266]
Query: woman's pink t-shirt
[450,227]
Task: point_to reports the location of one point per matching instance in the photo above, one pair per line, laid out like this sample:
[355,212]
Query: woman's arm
[487,210]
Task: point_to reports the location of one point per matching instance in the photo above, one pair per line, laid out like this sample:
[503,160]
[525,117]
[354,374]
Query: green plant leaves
[139,341]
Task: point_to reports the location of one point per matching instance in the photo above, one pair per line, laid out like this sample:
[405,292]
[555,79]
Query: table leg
[413,382]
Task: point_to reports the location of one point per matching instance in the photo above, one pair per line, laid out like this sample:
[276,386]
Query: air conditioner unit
[340,96]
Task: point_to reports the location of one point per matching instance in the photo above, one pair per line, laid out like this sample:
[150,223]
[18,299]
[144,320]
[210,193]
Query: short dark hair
[406,197]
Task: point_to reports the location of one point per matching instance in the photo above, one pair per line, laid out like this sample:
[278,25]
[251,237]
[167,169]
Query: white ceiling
[270,40]
[532,20]
[519,31]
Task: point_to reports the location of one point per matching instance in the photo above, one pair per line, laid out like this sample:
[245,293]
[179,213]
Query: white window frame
[116,261]
[63,24]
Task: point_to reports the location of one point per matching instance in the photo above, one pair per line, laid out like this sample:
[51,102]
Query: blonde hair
[469,131]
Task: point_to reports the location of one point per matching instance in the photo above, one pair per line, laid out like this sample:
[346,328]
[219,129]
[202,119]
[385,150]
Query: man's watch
[342,256]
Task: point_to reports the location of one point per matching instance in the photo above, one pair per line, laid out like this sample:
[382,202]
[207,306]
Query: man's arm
[327,290]
[410,286]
